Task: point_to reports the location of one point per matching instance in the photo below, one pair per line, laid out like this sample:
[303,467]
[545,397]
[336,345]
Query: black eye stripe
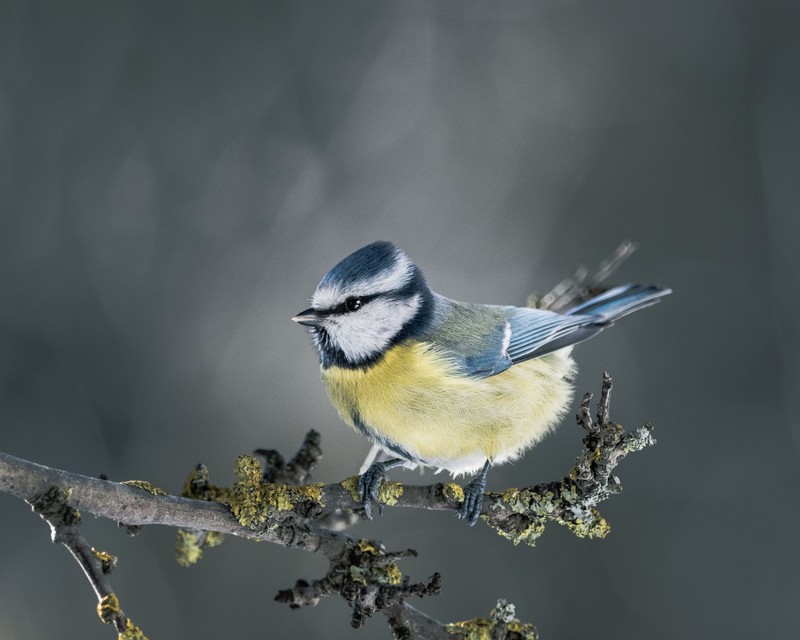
[352,304]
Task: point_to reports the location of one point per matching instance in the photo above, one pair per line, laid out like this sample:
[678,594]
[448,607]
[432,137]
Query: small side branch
[298,470]
[583,284]
[64,521]
[520,514]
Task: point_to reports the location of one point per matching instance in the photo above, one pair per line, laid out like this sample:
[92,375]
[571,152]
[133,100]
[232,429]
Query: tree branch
[362,571]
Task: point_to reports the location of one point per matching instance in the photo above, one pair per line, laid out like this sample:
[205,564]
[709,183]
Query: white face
[366,332]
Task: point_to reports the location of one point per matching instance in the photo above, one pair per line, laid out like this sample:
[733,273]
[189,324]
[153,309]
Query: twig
[612,263]
[605,402]
[520,514]
[298,470]
[407,622]
[583,284]
[52,505]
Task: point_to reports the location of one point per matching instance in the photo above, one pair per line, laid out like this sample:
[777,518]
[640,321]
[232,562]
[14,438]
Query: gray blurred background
[175,178]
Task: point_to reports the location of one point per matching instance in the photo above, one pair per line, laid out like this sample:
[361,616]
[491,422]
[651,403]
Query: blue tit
[445,384]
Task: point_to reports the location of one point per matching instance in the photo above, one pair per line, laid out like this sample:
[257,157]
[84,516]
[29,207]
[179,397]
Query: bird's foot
[473,497]
[473,501]
[369,484]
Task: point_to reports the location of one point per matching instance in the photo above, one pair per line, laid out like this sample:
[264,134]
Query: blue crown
[362,265]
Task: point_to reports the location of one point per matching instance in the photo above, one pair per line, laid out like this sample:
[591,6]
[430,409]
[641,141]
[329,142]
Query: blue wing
[486,340]
[474,336]
[536,333]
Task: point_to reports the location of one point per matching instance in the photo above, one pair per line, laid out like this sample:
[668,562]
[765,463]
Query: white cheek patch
[366,332]
[392,279]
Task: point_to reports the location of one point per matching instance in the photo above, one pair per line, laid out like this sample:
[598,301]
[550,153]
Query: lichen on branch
[520,515]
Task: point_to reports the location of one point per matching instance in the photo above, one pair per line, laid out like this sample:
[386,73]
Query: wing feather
[486,340]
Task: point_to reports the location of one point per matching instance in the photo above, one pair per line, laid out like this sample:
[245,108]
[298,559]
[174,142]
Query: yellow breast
[415,398]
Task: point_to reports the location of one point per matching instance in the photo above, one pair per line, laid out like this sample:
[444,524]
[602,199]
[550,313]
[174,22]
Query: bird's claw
[473,501]
[369,485]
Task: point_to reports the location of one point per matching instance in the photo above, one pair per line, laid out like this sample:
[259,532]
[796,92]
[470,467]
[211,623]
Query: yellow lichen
[106,560]
[108,608]
[390,493]
[526,630]
[365,546]
[351,484]
[539,507]
[311,493]
[529,502]
[528,535]
[453,491]
[483,628]
[597,528]
[252,501]
[131,632]
[248,506]
[388,574]
[145,486]
[513,498]
[475,629]
[188,549]
[278,496]
[284,497]
[248,500]
[248,468]
[190,545]
[214,538]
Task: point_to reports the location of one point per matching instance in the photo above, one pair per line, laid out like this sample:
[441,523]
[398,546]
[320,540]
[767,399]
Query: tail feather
[534,334]
[620,301]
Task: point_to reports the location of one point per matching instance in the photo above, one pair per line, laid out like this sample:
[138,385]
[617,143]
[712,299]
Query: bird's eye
[353,304]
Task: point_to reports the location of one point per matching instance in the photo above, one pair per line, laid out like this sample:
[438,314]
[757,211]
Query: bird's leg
[370,482]
[473,497]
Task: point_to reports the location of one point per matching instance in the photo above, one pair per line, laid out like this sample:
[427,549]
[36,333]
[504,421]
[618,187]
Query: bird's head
[370,301]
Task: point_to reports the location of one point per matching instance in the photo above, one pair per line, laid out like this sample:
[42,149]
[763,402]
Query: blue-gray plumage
[441,383]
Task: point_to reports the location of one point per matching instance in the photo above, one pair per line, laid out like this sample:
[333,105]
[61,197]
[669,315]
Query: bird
[449,385]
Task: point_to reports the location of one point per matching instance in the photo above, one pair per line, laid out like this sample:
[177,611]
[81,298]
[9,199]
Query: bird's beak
[310,318]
